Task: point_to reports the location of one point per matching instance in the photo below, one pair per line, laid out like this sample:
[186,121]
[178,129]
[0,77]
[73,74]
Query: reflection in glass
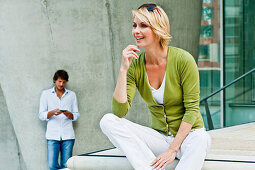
[209,60]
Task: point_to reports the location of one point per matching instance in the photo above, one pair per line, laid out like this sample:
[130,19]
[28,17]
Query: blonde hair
[157,20]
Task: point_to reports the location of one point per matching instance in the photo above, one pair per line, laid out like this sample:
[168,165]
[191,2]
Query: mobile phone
[62,110]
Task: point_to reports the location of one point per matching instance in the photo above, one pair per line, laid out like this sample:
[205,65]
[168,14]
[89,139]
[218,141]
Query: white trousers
[141,145]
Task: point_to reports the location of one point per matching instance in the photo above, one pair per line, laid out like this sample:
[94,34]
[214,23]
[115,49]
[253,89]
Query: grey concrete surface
[86,38]
[10,155]
[232,149]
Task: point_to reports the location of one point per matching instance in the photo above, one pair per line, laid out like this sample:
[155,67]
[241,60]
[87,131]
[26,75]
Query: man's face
[60,84]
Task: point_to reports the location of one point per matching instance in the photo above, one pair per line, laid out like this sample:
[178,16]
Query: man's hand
[68,114]
[164,159]
[53,112]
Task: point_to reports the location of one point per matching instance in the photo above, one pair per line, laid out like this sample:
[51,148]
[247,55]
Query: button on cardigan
[181,95]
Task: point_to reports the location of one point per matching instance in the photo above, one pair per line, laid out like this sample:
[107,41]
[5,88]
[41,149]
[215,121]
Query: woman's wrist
[123,70]
[171,149]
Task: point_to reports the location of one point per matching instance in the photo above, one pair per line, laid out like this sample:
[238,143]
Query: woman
[167,79]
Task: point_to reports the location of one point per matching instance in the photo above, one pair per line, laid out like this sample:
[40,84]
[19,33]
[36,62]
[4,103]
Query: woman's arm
[120,93]
[190,84]
[125,86]
[168,156]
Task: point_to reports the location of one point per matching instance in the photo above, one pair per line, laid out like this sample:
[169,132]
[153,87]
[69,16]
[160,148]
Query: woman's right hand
[127,56]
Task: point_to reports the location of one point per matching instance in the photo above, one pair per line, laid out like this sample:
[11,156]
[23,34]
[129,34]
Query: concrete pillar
[10,155]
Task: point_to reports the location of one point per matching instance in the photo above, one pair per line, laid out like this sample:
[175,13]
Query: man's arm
[44,114]
[43,108]
[53,112]
[74,113]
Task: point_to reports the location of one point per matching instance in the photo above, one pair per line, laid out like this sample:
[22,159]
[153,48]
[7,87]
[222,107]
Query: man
[58,106]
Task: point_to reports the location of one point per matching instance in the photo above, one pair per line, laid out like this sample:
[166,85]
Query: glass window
[206,31]
[207,13]
[232,31]
[232,3]
[203,51]
[253,87]
[207,1]
[208,60]
[238,59]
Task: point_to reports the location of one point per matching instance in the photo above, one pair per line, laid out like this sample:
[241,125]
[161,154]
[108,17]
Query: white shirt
[158,94]
[59,127]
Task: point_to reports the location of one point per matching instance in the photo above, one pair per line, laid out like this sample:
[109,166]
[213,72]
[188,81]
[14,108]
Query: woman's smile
[142,33]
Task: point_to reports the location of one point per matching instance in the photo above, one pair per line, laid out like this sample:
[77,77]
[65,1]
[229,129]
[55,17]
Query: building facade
[226,52]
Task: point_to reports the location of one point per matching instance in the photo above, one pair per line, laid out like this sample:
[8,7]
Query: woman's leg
[140,144]
[193,150]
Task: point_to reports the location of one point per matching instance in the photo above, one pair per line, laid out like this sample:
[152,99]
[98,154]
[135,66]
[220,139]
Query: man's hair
[157,20]
[60,74]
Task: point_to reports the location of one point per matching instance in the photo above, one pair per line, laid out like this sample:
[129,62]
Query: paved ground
[234,144]
[232,149]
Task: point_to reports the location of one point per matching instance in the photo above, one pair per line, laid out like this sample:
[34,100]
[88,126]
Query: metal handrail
[208,115]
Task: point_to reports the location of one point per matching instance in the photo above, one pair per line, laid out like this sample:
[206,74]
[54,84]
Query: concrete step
[232,149]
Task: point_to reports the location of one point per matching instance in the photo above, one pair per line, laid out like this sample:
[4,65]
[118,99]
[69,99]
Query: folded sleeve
[121,109]
[190,86]
[75,110]
[43,108]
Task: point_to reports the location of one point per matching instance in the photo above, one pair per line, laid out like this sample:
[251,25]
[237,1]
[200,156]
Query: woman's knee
[203,140]
[199,139]
[107,120]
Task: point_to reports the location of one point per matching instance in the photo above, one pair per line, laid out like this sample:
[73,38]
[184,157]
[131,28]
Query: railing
[208,115]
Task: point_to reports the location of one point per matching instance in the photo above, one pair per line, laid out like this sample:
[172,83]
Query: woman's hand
[167,157]
[164,159]
[127,56]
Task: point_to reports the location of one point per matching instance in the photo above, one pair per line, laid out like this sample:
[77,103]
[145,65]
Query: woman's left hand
[164,159]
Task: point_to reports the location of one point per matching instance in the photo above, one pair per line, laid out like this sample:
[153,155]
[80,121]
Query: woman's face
[143,34]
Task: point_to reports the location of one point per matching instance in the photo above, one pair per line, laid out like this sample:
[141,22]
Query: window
[207,13]
[206,31]
[207,1]
[203,51]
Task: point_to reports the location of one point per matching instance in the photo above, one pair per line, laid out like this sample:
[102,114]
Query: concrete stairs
[233,148]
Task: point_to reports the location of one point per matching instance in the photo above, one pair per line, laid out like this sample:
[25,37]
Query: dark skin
[60,90]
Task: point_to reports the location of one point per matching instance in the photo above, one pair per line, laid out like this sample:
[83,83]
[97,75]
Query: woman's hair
[60,74]
[155,17]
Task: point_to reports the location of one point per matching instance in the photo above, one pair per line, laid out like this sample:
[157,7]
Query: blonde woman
[168,81]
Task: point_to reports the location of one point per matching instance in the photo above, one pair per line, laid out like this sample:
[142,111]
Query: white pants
[141,145]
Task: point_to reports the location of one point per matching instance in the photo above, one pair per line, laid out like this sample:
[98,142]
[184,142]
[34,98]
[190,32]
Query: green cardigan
[181,96]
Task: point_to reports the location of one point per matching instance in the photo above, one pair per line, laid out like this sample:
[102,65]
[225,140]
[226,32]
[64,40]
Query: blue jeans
[54,147]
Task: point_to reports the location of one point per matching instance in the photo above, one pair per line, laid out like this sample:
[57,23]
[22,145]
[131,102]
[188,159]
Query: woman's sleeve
[121,109]
[190,86]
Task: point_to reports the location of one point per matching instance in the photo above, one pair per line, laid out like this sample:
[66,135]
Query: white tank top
[158,94]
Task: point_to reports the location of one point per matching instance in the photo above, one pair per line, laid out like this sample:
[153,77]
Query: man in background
[58,106]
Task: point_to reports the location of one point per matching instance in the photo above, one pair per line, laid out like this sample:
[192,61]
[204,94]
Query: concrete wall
[84,37]
[10,155]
